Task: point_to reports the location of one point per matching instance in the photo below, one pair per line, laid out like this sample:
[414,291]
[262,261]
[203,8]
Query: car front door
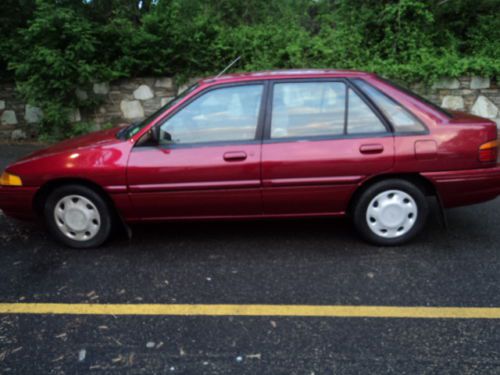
[208,161]
[321,139]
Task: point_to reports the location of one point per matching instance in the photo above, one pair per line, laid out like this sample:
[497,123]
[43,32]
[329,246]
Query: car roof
[286,74]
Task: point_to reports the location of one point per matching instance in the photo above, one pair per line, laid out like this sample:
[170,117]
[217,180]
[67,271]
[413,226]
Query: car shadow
[317,236]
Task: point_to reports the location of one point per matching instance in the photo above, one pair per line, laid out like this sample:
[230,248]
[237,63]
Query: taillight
[488,151]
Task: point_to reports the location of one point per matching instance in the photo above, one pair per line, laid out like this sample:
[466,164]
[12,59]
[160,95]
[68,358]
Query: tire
[78,217]
[390,212]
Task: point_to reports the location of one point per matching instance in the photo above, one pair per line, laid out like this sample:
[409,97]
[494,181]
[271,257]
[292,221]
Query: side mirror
[157,135]
[167,137]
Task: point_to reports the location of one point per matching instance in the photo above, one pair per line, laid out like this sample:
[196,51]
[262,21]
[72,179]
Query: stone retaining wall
[476,95]
[132,99]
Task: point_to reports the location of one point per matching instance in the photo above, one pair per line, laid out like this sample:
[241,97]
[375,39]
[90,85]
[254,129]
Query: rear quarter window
[402,120]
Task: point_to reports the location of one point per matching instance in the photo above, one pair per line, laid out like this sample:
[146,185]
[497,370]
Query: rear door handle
[235,156]
[371,149]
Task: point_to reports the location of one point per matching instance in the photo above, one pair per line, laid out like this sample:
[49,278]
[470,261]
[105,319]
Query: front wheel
[77,216]
[390,212]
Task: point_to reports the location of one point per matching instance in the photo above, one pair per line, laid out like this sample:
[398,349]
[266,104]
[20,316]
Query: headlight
[8,179]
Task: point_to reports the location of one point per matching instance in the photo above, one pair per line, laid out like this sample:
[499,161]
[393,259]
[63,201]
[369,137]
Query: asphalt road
[307,262]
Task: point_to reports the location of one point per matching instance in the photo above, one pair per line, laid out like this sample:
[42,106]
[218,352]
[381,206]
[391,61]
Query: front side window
[401,119]
[222,114]
[308,109]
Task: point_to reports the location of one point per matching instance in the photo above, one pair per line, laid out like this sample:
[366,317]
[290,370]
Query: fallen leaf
[254,356]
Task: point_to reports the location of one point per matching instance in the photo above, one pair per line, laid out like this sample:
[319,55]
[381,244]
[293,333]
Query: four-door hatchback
[264,145]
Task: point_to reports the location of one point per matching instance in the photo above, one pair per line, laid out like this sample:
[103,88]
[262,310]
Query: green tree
[14,15]
[56,54]
[54,46]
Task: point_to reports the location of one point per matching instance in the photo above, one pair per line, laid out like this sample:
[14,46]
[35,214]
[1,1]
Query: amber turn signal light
[8,179]
[488,152]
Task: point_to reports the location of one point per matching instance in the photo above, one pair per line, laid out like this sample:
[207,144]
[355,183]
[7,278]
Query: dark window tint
[401,119]
[360,118]
[304,109]
[224,114]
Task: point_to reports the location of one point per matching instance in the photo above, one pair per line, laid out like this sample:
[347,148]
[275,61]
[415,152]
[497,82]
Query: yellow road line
[253,310]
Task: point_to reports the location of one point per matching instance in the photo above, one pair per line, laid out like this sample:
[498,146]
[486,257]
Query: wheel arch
[425,185]
[49,186]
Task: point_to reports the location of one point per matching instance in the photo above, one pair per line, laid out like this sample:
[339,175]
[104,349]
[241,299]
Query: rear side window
[360,117]
[308,109]
[402,120]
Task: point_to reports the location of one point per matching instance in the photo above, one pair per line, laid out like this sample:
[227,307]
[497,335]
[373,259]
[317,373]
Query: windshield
[135,127]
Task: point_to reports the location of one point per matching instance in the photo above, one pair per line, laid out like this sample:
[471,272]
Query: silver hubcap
[77,218]
[391,214]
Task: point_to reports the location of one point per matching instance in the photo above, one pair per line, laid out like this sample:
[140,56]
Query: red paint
[425,150]
[288,178]
[195,181]
[313,162]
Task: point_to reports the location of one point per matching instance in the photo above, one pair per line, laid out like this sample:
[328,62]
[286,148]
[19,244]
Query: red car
[264,145]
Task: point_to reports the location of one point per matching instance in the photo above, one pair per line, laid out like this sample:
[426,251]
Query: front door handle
[371,148]
[235,156]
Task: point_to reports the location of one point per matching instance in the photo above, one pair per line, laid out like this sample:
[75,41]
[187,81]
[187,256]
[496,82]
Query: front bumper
[463,187]
[17,201]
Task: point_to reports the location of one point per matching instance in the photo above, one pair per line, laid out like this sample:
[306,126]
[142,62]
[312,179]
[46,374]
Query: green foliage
[14,14]
[54,46]
[58,54]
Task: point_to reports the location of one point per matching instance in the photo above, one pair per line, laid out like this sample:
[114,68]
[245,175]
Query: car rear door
[208,162]
[322,138]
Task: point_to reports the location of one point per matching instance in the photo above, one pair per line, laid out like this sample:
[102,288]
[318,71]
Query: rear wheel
[78,216]
[390,212]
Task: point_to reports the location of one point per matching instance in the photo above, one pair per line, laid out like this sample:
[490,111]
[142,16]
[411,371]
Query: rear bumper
[463,187]
[17,202]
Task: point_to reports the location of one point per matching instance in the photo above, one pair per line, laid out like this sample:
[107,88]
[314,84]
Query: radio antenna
[229,66]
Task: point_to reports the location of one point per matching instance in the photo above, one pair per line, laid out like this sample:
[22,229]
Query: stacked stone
[15,115]
[477,95]
[133,99]
[128,99]
[141,97]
